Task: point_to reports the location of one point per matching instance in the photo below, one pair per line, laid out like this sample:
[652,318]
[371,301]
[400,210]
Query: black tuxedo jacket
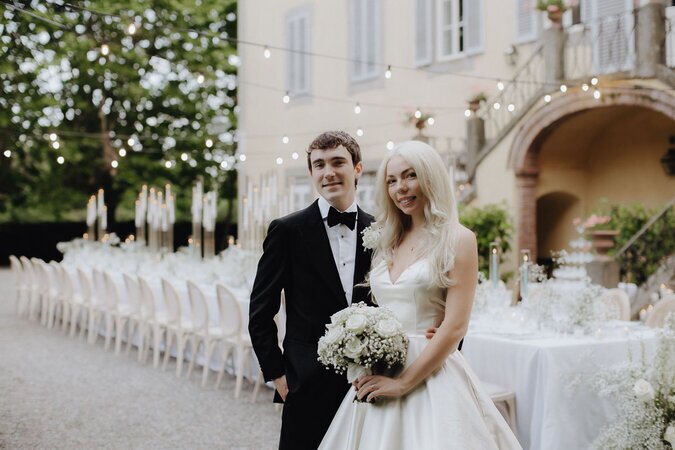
[297,259]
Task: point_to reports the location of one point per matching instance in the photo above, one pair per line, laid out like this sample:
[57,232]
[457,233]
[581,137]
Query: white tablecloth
[540,369]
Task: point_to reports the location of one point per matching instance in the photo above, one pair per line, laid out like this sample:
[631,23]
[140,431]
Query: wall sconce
[511,55]
[668,160]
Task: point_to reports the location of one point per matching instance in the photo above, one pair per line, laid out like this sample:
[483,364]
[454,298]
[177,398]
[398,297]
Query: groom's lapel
[362,262]
[320,252]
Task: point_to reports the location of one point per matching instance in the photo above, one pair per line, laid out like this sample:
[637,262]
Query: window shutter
[423,32]
[526,21]
[473,10]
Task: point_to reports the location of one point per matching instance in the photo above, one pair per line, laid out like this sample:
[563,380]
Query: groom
[316,257]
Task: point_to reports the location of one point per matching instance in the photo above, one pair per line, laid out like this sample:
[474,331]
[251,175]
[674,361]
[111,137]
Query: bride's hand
[373,387]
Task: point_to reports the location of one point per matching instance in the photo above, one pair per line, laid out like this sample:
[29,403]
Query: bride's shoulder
[466,244]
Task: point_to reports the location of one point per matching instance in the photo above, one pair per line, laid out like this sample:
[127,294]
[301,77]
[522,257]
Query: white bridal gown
[449,410]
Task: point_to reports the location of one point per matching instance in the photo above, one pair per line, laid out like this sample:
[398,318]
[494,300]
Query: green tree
[151,80]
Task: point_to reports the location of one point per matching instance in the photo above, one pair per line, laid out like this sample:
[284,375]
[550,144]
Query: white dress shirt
[343,245]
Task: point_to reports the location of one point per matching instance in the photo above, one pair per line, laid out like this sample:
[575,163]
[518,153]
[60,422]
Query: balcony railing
[601,46]
[505,108]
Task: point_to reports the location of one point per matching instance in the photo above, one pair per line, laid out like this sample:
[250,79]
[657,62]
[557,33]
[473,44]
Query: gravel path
[57,392]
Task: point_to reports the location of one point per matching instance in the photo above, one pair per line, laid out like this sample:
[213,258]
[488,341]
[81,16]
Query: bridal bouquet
[363,340]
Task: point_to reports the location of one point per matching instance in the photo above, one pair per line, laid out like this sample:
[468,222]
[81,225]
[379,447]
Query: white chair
[230,322]
[505,401]
[98,310]
[21,282]
[153,323]
[134,299]
[203,331]
[34,291]
[71,301]
[618,301]
[88,301]
[178,327]
[657,317]
[53,290]
[118,313]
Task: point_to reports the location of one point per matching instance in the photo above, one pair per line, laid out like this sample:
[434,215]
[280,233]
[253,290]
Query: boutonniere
[371,236]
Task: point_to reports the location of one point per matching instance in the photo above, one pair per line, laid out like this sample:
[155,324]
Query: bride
[424,269]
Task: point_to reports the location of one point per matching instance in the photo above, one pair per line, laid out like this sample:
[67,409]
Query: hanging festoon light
[114,164]
[387,73]
[500,85]
[467,113]
[285,140]
[105,50]
[390,145]
[209,143]
[184,157]
[295,155]
[563,88]
[53,137]
[122,153]
[511,107]
[596,94]
[497,106]
[359,132]
[431,121]
[56,145]
[418,114]
[357,109]
[7,153]
[131,29]
[584,87]
[280,161]
[547,98]
[286,98]
[267,53]
[594,81]
[200,78]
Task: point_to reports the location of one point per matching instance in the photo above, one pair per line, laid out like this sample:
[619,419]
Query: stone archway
[532,133]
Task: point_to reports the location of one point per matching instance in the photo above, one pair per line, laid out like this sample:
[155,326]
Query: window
[364,33]
[298,59]
[457,30]
[527,21]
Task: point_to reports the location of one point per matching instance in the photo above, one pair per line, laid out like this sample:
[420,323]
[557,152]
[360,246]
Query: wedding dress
[448,410]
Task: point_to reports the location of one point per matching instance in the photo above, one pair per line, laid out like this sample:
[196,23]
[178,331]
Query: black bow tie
[345,218]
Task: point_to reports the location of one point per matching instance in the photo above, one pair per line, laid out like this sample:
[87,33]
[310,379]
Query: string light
[390,145]
[131,142]
[467,113]
[105,50]
[184,157]
[387,73]
[418,113]
[167,164]
[242,157]
[60,160]
[56,145]
[596,94]
[286,98]
[53,136]
[357,109]
[114,164]
[594,81]
[431,121]
[209,143]
[584,87]
[563,88]
[496,106]
[295,155]
[7,153]
[123,152]
[500,85]
[223,165]
[200,78]
[280,161]
[359,132]
[511,107]
[267,53]
[547,98]
[131,29]
[285,139]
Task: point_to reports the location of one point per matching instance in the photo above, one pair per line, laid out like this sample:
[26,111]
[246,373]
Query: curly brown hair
[333,139]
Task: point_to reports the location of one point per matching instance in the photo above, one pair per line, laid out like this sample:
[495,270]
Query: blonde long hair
[442,223]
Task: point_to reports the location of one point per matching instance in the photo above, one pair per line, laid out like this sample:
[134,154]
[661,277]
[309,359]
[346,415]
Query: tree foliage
[164,95]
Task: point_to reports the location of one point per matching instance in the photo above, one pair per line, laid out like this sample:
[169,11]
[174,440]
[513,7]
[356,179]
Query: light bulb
[359,132]
[267,53]
[7,153]
[285,139]
[295,155]
[387,73]
[418,114]
[390,145]
[547,98]
[209,143]
[60,160]
[563,88]
[131,29]
[280,161]
[467,113]
[105,50]
[431,121]
[123,152]
[594,81]
[114,164]
[500,85]
[242,157]
[357,109]
[497,106]
[511,107]
[286,98]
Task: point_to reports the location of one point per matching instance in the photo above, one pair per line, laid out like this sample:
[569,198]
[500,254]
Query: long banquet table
[540,368]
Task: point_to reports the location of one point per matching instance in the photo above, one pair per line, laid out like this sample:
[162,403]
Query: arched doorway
[555,213]
[592,150]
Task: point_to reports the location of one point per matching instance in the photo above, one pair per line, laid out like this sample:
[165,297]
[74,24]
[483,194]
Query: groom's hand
[281,386]
[431,332]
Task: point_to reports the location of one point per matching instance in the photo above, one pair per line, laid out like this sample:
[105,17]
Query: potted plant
[419,119]
[476,100]
[601,231]
[554,9]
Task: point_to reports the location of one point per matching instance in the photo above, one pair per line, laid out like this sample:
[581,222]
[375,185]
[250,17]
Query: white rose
[353,348]
[669,435]
[356,323]
[339,316]
[643,390]
[333,335]
[386,327]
